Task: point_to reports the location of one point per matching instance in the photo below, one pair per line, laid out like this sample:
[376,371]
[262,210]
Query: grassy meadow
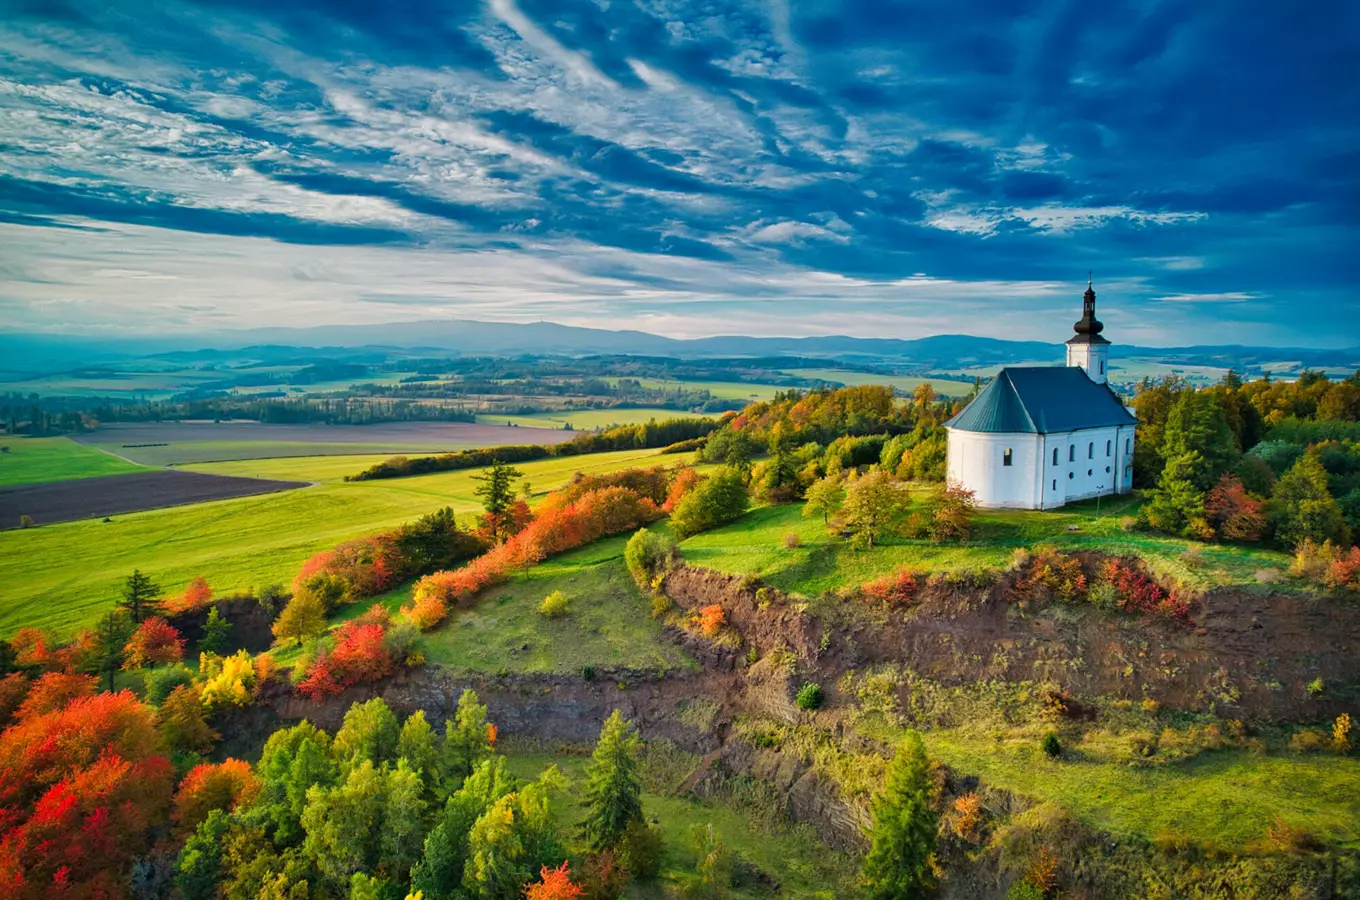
[62,577]
[194,453]
[31,460]
[756,544]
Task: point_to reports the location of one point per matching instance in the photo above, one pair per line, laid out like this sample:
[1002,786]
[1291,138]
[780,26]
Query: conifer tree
[1301,506]
[216,633]
[110,637]
[139,597]
[613,788]
[900,864]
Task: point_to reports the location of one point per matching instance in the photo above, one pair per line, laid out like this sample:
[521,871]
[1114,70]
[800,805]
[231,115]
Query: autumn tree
[1234,513]
[613,787]
[227,785]
[155,642]
[554,884]
[302,619]
[140,597]
[900,863]
[951,509]
[183,722]
[875,506]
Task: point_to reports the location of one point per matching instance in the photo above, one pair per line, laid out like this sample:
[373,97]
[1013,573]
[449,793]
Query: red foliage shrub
[85,830]
[1234,514]
[30,649]
[710,619]
[366,565]
[898,589]
[1344,571]
[360,655]
[1136,591]
[197,595]
[554,884]
[155,641]
[41,751]
[209,786]
[54,691]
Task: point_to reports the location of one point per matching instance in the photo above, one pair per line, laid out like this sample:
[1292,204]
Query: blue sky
[778,167]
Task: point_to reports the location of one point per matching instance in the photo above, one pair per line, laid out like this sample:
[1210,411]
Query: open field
[904,384]
[722,390]
[63,576]
[585,419]
[31,460]
[194,442]
[111,495]
[755,544]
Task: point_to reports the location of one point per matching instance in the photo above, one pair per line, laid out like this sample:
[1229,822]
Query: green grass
[297,468]
[62,577]
[34,460]
[721,390]
[805,868]
[587,419]
[755,544]
[1226,798]
[903,383]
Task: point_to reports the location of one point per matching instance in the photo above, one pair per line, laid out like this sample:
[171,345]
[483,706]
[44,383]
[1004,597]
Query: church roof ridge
[1042,400]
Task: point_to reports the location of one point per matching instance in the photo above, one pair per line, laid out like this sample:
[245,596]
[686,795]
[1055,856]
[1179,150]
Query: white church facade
[1038,437]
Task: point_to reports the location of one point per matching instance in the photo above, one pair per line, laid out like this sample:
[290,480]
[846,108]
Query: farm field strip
[111,495]
[584,419]
[903,383]
[35,460]
[63,576]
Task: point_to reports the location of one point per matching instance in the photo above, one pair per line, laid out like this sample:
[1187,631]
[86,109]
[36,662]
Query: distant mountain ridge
[36,352]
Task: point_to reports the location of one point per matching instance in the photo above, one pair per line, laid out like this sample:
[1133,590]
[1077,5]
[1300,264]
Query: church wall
[1034,480]
[977,460]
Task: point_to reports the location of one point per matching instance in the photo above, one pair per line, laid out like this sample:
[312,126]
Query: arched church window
[1128,445]
[1108,446]
[1102,367]
[1072,453]
[1091,450]
[1006,457]
[1055,456]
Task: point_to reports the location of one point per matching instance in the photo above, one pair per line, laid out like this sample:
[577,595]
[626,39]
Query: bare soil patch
[433,434]
[65,501]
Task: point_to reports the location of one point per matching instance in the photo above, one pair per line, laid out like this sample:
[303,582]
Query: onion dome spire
[1088,324]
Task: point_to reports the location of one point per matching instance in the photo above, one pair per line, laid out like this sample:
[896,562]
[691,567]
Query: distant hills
[29,353]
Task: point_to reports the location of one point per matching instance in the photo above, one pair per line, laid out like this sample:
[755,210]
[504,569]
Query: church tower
[1087,349]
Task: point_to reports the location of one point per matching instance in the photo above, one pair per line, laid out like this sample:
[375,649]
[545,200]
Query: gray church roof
[1042,400]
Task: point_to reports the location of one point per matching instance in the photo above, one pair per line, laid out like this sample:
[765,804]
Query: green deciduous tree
[1301,507]
[369,733]
[419,746]
[199,866]
[824,497]
[613,787]
[900,864]
[875,506]
[719,499]
[140,597]
[467,739]
[302,619]
[445,854]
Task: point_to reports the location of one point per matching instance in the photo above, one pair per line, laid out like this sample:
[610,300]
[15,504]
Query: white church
[1037,437]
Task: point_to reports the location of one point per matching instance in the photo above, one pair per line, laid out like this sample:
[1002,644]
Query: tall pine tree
[139,597]
[901,863]
[613,788]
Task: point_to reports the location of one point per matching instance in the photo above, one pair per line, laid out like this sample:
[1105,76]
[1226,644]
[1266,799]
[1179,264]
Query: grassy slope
[756,544]
[63,576]
[34,460]
[1227,797]
[804,867]
[608,623]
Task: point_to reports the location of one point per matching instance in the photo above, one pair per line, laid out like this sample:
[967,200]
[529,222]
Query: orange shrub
[13,690]
[1344,571]
[360,655]
[710,619]
[55,691]
[426,610]
[554,884]
[1050,571]
[198,594]
[898,589]
[209,786]
[685,480]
